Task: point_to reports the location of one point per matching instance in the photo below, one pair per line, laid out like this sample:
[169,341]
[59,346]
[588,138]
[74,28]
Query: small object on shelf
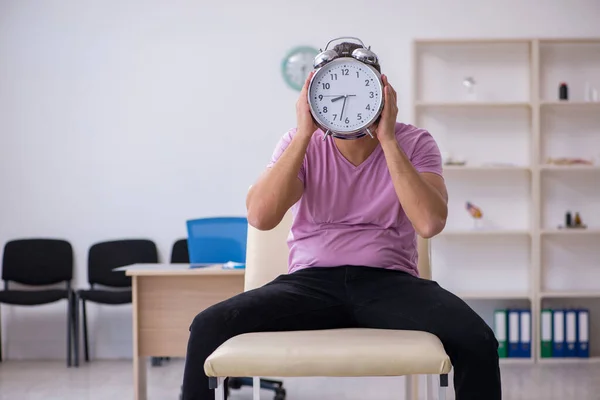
[476,213]
[469,84]
[578,223]
[563,91]
[455,161]
[569,161]
[573,222]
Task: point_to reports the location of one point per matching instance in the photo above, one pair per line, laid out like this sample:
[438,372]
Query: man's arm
[423,196]
[279,187]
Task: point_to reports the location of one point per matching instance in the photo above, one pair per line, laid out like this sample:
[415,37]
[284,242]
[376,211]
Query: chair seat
[106,296]
[32,297]
[337,352]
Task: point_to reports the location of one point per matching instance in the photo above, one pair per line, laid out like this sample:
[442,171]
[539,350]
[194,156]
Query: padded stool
[336,352]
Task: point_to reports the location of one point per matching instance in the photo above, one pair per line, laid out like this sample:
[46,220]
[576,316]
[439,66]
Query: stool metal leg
[256,388]
[443,386]
[220,392]
[429,389]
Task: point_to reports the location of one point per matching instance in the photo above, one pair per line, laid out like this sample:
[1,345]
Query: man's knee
[479,339]
[208,319]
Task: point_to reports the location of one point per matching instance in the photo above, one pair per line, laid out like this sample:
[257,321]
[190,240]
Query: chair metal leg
[85,332]
[69,329]
[443,386]
[429,388]
[219,385]
[76,328]
[0,332]
[412,387]
[256,388]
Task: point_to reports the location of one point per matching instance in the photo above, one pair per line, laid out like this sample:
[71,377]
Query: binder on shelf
[546,333]
[525,333]
[583,333]
[500,331]
[513,334]
[558,339]
[570,333]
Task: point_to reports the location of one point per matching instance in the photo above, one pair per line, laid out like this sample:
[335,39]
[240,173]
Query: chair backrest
[179,253]
[268,253]
[105,256]
[217,240]
[37,261]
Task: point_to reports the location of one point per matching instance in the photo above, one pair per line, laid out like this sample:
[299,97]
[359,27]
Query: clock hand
[343,106]
[338,98]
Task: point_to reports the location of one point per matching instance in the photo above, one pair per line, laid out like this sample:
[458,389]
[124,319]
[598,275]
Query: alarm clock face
[346,97]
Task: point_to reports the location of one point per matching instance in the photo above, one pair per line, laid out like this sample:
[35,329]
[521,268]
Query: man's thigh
[304,300]
[395,300]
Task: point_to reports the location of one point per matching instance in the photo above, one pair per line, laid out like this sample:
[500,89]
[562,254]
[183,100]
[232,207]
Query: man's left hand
[386,128]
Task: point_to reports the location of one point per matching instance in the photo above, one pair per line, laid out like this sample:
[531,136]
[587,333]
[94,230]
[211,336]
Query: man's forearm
[423,204]
[278,188]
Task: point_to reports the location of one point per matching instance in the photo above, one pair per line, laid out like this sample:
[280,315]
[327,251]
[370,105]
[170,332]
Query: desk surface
[178,270]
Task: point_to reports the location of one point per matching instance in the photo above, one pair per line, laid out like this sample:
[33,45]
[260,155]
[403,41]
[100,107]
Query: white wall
[125,118]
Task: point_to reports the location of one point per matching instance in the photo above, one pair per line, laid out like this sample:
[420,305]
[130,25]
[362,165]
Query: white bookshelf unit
[509,145]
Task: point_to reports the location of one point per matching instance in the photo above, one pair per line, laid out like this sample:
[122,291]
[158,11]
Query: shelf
[472,41]
[516,361]
[486,232]
[493,296]
[451,104]
[558,360]
[570,168]
[509,133]
[567,104]
[570,295]
[570,232]
[486,168]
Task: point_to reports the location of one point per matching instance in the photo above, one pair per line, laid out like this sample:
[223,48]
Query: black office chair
[180,253]
[102,259]
[39,262]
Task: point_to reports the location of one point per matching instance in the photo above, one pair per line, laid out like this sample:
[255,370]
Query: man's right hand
[306,123]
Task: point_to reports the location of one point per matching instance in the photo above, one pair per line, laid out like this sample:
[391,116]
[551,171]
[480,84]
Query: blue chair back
[217,240]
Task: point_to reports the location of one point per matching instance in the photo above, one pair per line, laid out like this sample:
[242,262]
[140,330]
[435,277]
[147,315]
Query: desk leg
[139,377]
[139,362]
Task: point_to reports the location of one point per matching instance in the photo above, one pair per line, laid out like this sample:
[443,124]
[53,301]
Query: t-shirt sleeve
[283,143]
[426,156]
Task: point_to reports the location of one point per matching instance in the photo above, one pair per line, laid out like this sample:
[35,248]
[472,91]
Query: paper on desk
[234,265]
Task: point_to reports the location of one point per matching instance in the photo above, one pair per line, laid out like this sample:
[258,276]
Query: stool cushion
[335,352]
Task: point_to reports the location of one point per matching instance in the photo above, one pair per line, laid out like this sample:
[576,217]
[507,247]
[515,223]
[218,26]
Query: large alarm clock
[346,92]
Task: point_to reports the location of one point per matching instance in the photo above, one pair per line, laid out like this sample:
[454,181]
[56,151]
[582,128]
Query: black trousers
[345,297]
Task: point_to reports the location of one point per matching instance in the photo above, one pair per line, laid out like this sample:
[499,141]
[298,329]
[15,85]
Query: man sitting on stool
[358,206]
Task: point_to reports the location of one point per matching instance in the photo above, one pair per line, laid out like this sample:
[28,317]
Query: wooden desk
[166,298]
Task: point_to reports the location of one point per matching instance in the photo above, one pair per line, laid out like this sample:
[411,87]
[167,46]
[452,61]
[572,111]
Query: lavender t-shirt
[350,215]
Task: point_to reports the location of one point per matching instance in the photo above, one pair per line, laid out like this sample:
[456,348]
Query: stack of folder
[513,332]
[564,333]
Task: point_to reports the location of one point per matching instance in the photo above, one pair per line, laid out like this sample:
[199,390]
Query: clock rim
[285,61]
[358,132]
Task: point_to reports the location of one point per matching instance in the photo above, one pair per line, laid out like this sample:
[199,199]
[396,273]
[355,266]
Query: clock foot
[369,132]
[326,134]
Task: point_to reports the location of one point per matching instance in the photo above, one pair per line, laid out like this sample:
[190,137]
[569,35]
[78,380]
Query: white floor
[112,380]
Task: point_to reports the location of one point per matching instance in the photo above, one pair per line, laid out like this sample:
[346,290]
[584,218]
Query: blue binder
[558,341]
[570,333]
[525,333]
[583,333]
[514,348]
